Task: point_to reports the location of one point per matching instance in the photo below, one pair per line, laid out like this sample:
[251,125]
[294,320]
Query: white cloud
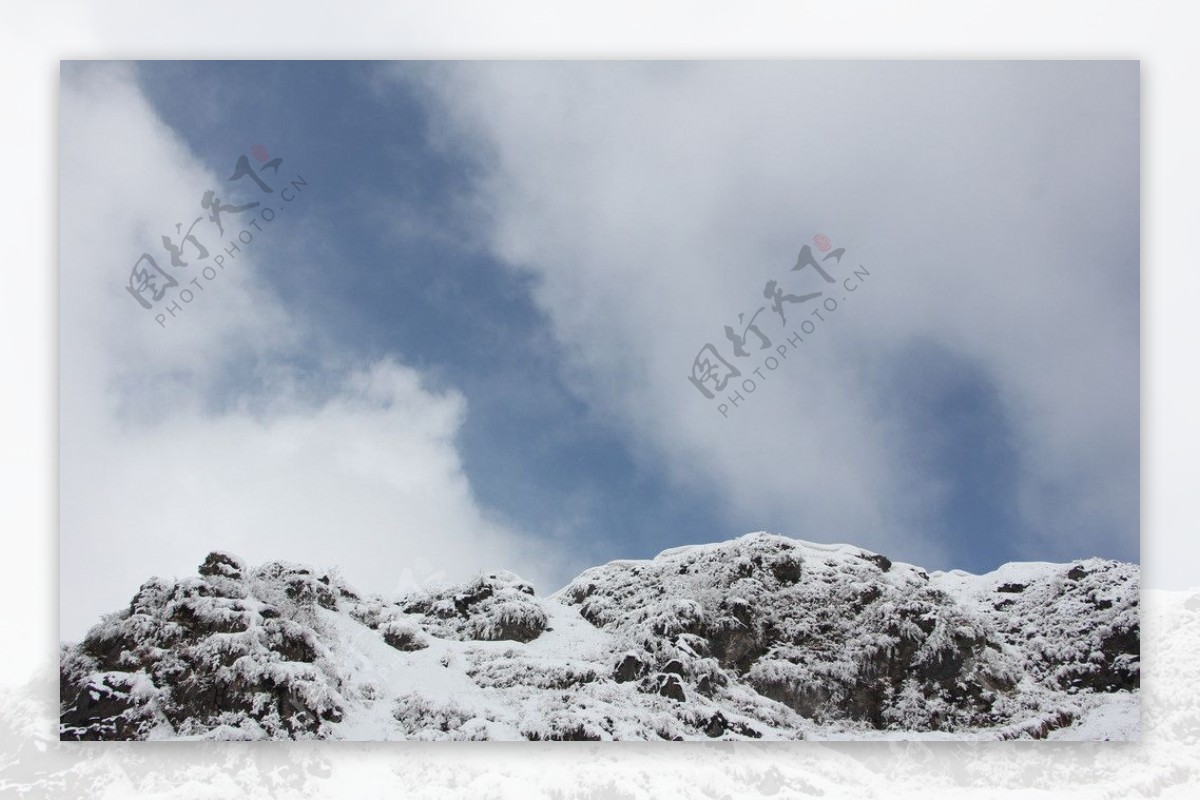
[165,456]
[995,204]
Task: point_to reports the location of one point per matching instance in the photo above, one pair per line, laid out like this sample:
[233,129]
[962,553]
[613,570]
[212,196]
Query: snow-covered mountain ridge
[762,637]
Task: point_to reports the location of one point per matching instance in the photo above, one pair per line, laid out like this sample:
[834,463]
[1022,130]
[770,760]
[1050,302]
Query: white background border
[35,35]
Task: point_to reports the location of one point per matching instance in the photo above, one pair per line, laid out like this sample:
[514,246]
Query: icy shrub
[219,563]
[218,652]
[403,635]
[496,606]
[424,718]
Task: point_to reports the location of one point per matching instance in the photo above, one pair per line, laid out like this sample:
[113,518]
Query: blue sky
[413,289]
[550,244]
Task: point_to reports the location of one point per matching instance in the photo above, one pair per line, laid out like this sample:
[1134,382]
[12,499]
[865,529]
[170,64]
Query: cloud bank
[235,427]
[995,204]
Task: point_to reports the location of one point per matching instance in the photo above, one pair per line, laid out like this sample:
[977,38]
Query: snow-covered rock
[759,637]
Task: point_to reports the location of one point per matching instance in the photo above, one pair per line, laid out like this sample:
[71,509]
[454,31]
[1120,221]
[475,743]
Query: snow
[762,637]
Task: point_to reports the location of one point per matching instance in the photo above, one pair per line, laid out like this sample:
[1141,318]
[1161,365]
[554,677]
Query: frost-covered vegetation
[760,637]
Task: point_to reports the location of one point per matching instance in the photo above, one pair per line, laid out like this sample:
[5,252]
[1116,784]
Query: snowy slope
[761,637]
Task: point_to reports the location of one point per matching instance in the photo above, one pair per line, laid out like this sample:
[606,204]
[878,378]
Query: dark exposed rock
[1119,669]
[786,569]
[465,600]
[403,638]
[219,563]
[674,666]
[880,561]
[98,711]
[199,619]
[670,686]
[737,646]
[630,668]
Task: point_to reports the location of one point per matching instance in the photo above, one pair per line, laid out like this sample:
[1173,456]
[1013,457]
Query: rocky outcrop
[833,633]
[496,606]
[195,655]
[762,636]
